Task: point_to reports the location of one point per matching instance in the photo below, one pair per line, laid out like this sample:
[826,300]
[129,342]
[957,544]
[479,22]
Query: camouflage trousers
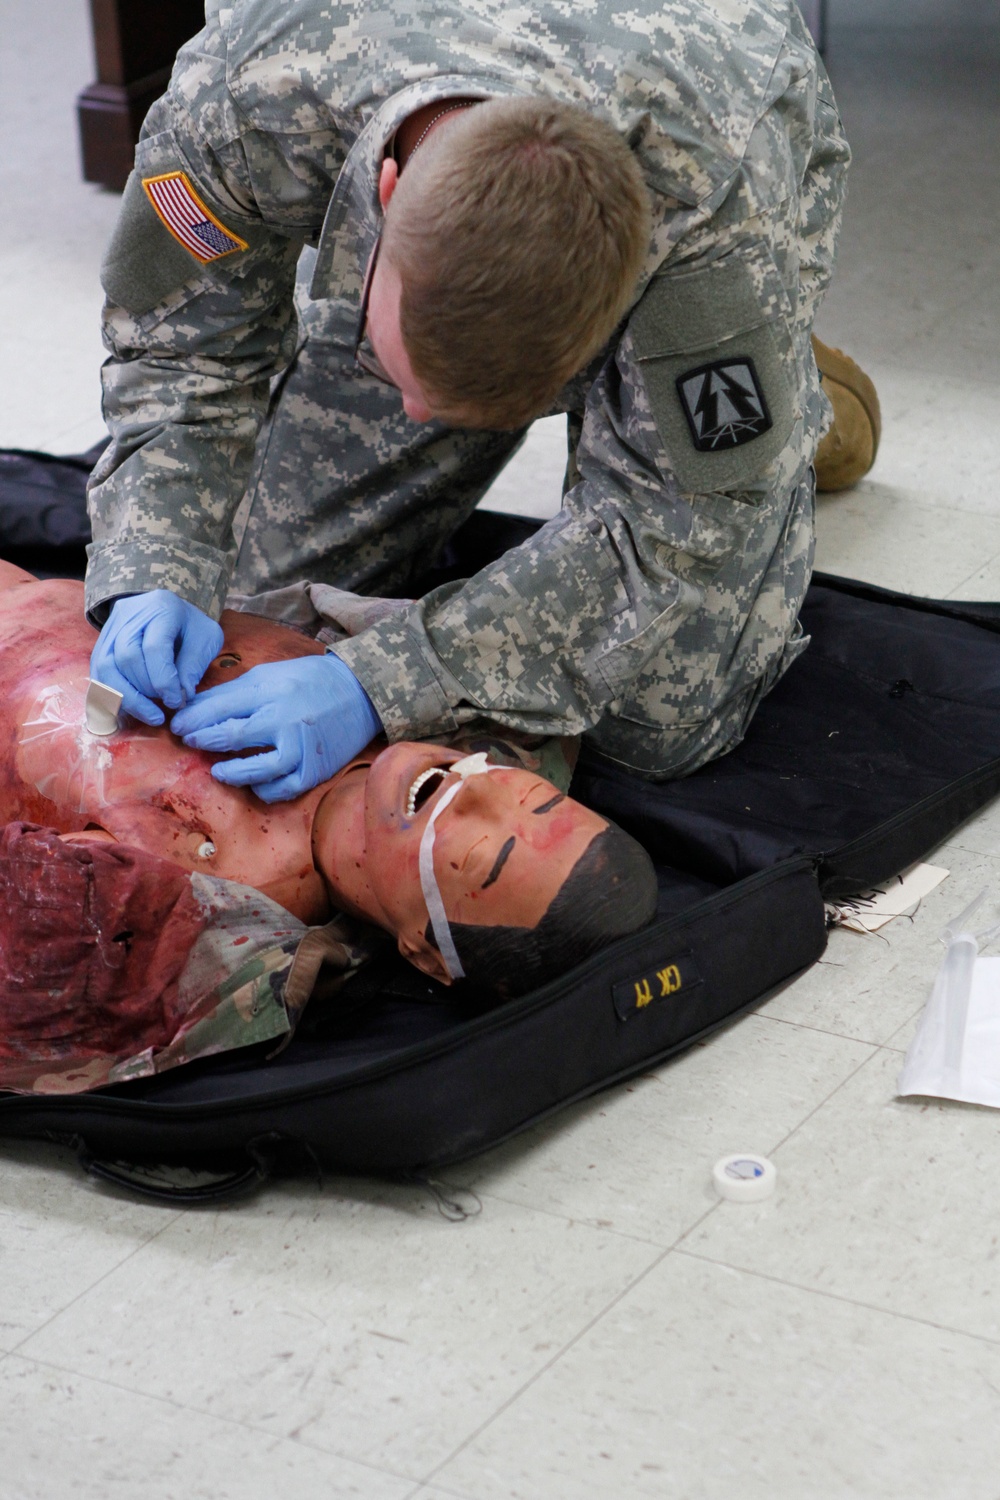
[347,491]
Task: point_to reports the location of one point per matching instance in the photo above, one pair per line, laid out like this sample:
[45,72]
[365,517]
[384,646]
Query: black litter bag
[44,525]
[878,742]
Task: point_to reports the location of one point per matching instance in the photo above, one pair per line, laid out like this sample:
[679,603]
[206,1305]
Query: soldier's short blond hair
[518,234]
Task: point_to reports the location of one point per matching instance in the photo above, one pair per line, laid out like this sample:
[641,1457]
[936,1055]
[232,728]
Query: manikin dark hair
[610,891]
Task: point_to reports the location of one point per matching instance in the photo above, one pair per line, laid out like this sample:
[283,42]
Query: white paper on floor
[870,910]
[965,1064]
[956,1051]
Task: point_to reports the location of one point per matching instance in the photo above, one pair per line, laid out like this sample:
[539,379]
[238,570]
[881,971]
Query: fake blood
[151,792]
[93,941]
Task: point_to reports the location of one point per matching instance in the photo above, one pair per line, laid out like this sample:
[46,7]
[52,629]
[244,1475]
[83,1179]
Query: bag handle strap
[184,1185]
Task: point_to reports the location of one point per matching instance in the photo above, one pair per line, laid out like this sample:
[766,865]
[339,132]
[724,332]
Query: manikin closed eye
[499,863]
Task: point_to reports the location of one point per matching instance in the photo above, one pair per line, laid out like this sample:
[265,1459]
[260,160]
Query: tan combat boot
[848,451]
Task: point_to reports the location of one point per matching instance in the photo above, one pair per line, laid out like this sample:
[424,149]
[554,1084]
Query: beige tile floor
[604,1327]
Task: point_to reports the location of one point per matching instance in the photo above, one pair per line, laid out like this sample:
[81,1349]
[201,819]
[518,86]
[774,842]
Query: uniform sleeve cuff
[198,574]
[392,662]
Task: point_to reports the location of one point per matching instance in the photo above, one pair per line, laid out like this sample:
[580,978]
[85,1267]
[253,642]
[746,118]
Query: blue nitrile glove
[155,645]
[313,710]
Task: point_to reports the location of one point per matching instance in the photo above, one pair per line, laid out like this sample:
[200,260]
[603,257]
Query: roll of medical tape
[744,1178]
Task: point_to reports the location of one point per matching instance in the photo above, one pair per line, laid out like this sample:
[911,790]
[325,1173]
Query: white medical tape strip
[744,1178]
[469,765]
[429,886]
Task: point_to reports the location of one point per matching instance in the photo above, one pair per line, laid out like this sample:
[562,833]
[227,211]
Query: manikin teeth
[422,780]
[469,765]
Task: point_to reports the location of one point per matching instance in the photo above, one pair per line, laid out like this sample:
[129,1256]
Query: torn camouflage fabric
[655,610]
[116,964]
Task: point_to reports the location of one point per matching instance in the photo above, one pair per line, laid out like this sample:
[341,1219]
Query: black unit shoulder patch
[724,404]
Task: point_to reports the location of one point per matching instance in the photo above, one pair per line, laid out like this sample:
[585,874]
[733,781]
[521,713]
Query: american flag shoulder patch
[188,220]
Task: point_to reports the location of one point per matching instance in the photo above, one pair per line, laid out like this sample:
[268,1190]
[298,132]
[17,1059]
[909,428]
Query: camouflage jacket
[273,129]
[116,964]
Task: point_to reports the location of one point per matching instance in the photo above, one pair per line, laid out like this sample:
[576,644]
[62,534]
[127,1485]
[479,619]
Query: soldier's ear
[423,955]
[387,179]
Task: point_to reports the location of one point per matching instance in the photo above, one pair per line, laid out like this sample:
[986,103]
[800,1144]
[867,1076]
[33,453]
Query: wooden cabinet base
[135,43]
[110,116]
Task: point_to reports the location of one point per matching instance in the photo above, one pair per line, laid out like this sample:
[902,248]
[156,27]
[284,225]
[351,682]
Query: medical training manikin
[152,914]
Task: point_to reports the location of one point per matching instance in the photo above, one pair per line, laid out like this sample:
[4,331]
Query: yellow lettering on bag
[670,980]
[643,993]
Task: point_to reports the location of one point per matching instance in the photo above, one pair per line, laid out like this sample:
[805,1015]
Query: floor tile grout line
[964,849]
[565,1218]
[213,1416]
[560,1353]
[798,1286]
[445,1489]
[841,1036]
[962,299]
[850,502]
[85,1291]
[678,1247]
[903,495]
[549,1364]
[874,1048]
[795,1128]
[918,1010]
[664,1251]
[974,574]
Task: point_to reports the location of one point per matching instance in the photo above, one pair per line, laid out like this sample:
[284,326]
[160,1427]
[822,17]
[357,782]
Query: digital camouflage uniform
[117,964]
[655,610]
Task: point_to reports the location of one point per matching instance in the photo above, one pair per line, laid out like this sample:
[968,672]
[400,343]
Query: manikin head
[512,244]
[530,881]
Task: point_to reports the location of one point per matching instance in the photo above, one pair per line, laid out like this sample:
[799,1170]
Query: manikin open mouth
[426,784]
[424,787]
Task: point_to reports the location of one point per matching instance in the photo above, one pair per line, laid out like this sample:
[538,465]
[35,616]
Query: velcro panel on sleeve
[171,230]
[143,263]
[719,367]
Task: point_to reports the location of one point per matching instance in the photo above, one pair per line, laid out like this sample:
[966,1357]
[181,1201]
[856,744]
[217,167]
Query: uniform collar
[354,218]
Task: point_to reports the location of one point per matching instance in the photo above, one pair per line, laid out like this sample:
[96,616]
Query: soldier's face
[502,849]
[385,335]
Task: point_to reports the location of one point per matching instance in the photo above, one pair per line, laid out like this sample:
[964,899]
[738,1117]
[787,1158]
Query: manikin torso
[141,785]
[505,846]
